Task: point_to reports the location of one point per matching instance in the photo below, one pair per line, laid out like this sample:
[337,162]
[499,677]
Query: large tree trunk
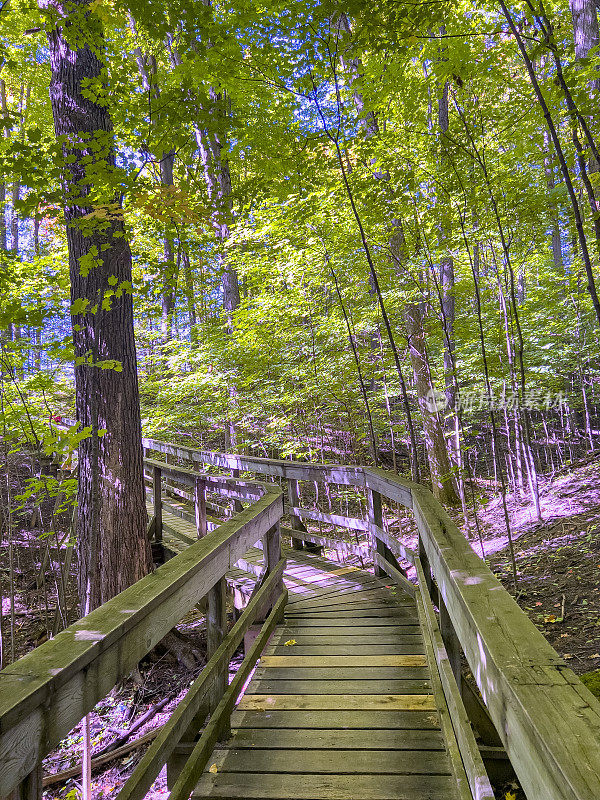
[113,547]
[211,143]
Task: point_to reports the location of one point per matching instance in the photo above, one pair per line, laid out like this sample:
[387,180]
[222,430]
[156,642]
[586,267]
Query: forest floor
[558,582]
[557,561]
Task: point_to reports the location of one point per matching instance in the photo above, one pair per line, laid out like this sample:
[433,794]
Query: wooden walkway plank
[309,685]
[339,719]
[337,739]
[318,761]
[307,786]
[341,704]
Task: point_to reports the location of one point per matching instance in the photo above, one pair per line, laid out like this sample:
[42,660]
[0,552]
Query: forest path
[342,703]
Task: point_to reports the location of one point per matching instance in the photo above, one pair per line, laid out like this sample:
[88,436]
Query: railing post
[216,630]
[237,504]
[272,551]
[451,643]
[200,507]
[157,492]
[294,501]
[375,517]
[431,587]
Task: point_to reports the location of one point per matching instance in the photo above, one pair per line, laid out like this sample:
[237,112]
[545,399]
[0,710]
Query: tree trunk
[211,143]
[14,219]
[437,453]
[190,296]
[585,33]
[113,548]
[170,273]
[557,256]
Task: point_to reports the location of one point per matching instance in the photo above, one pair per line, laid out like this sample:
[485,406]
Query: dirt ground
[558,562]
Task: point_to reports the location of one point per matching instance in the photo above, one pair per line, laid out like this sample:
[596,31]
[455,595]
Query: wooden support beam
[30,788]
[351,523]
[375,519]
[237,506]
[397,548]
[295,521]
[200,507]
[451,644]
[390,570]
[157,496]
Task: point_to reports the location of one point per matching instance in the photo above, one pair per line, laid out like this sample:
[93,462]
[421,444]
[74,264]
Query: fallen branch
[116,743]
[100,760]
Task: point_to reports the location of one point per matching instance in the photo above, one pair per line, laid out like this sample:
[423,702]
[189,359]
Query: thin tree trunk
[437,452]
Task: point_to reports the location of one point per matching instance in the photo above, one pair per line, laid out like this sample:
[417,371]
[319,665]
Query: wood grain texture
[337,702]
[382,660]
[252,786]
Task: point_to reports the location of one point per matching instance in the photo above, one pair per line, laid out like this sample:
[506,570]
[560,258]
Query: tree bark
[437,452]
[585,33]
[111,523]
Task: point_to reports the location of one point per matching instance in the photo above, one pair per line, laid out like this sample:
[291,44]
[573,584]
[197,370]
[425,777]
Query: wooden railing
[47,692]
[546,719]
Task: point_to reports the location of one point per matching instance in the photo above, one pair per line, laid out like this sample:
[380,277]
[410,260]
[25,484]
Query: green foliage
[282,368]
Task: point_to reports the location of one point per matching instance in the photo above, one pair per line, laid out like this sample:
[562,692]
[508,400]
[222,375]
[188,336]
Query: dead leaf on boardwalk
[290,642]
[213,768]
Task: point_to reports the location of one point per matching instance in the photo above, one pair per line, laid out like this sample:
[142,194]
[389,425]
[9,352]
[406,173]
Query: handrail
[548,721]
[47,692]
[188,709]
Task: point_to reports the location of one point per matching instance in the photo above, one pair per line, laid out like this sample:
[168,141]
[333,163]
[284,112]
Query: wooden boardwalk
[352,689]
[341,705]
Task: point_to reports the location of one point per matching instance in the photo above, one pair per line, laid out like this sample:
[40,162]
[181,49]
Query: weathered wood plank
[335,639]
[394,574]
[340,650]
[366,632]
[351,523]
[339,718]
[331,762]
[344,548]
[337,702]
[390,485]
[364,617]
[298,470]
[337,739]
[360,685]
[341,673]
[383,660]
[251,786]
[397,548]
